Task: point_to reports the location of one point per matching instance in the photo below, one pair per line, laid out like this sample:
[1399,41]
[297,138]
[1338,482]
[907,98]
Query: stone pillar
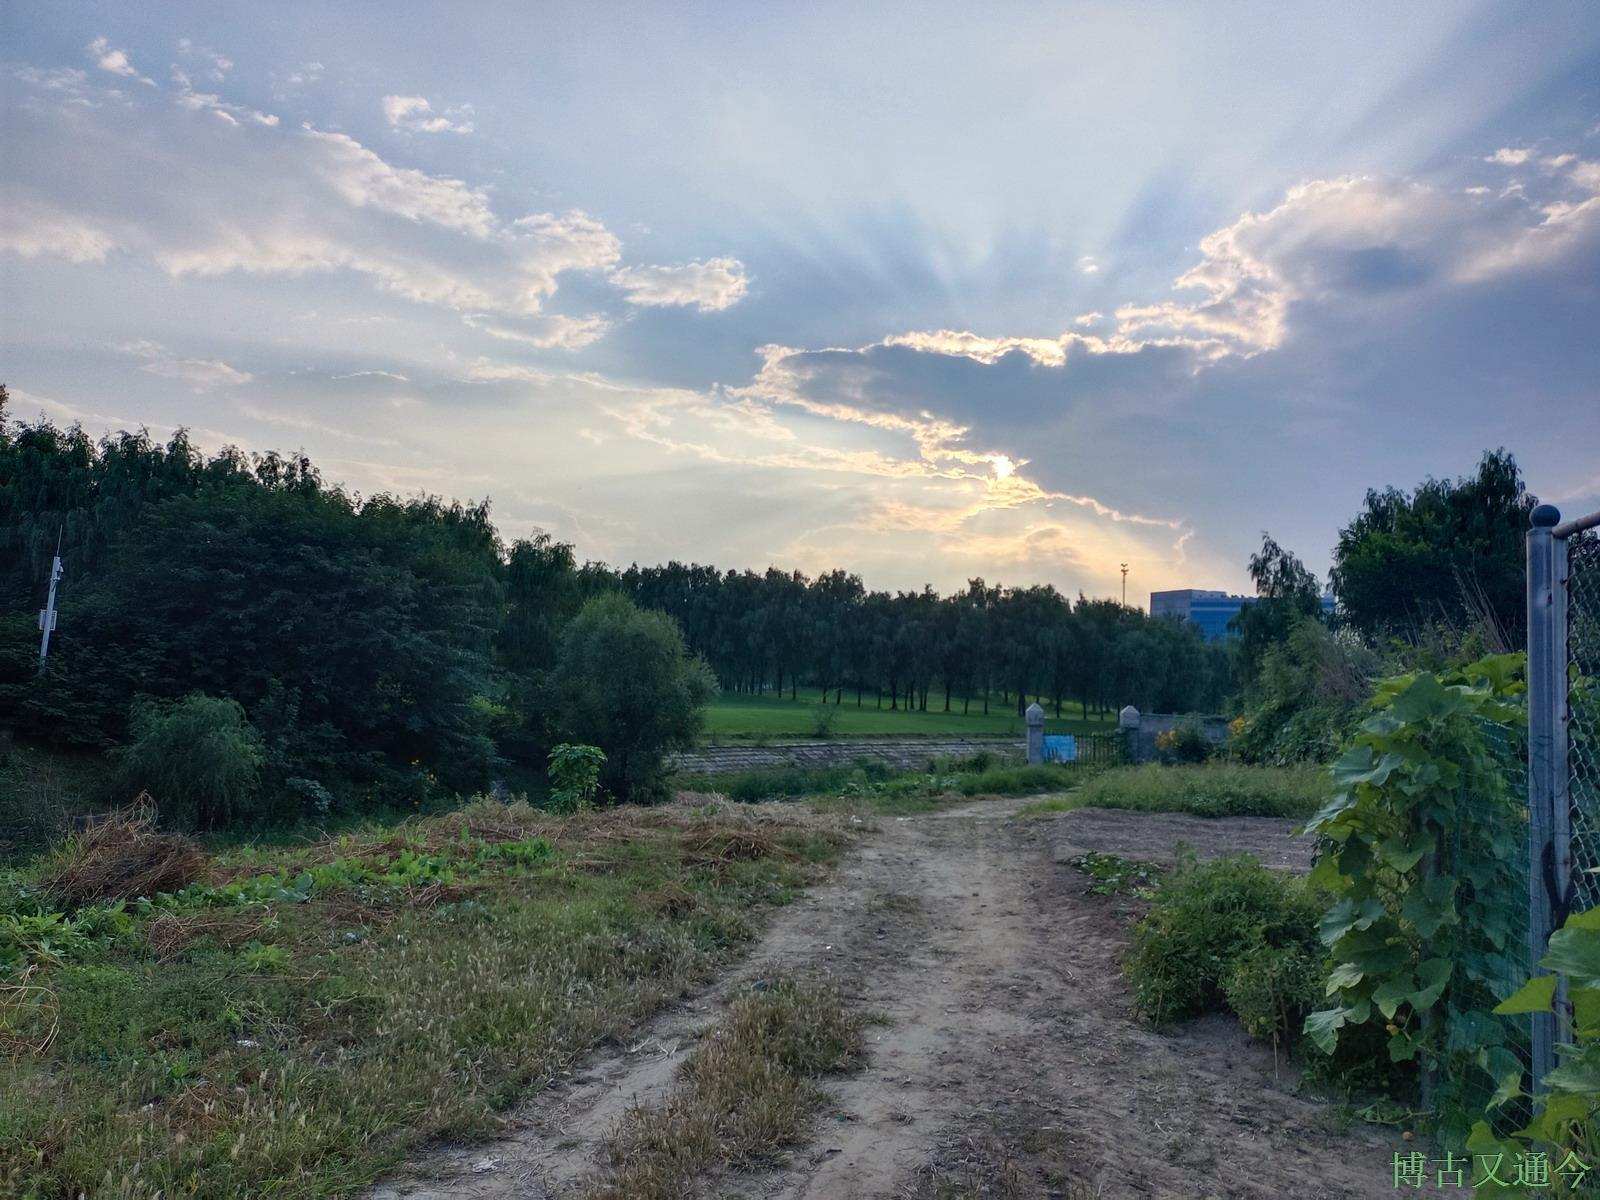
[1035,719]
[1128,727]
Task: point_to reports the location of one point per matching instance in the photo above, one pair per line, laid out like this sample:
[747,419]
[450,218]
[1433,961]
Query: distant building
[1213,612]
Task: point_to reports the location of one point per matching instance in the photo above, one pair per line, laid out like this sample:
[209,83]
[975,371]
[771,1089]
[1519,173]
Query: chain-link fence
[1563,741]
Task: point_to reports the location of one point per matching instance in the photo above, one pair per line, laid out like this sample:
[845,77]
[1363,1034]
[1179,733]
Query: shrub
[1186,742]
[626,683]
[823,718]
[1205,920]
[574,777]
[198,757]
[767,783]
[1212,790]
[1272,989]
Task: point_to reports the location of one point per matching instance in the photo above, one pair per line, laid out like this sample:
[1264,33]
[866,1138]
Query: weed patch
[313,1013]
[1209,790]
[1207,919]
[1114,875]
[747,1091]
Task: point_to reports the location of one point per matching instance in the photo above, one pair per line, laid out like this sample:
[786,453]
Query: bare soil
[1158,837]
[1009,1063]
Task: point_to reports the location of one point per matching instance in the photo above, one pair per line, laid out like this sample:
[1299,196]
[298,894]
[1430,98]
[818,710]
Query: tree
[625,682]
[1450,551]
[198,758]
[1286,594]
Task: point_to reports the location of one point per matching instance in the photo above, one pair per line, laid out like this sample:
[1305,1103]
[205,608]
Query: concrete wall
[1142,740]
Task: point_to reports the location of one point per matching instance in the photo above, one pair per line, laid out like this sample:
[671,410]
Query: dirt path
[1009,1064]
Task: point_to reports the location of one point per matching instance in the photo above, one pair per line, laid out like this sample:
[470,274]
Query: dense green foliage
[356,634]
[1306,696]
[1217,789]
[1567,1117]
[979,775]
[199,754]
[1427,839]
[986,645]
[1220,929]
[395,652]
[1450,551]
[574,776]
[1286,594]
[625,682]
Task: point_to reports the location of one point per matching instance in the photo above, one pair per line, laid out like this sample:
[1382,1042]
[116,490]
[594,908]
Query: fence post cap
[1034,715]
[1546,516]
[1128,718]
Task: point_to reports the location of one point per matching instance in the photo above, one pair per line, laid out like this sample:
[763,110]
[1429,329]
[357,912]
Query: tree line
[776,631]
[388,648]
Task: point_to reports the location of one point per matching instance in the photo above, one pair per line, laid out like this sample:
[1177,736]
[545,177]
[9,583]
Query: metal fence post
[1549,836]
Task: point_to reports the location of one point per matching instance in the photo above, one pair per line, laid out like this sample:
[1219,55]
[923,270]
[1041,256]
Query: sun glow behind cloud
[798,386]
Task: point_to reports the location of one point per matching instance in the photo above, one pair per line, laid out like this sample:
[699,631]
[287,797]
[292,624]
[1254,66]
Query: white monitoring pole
[47,618]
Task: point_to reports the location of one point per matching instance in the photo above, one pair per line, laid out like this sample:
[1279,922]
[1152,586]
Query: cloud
[1089,265]
[709,286]
[416,115]
[108,58]
[201,374]
[35,228]
[231,114]
[241,195]
[552,332]
[306,73]
[1510,156]
[374,374]
[216,66]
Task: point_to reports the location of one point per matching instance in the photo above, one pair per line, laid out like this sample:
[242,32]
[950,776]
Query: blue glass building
[1211,611]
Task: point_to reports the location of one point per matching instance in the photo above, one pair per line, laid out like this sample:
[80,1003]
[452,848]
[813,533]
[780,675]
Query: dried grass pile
[120,856]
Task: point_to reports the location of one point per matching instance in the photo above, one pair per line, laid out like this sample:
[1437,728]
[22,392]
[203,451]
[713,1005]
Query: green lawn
[745,718]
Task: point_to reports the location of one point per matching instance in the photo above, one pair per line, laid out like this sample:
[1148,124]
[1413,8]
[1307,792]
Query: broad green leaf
[1403,853]
[1428,916]
[1391,993]
[1343,975]
[1506,1071]
[1585,1011]
[1349,914]
[1323,1028]
[1432,975]
[1575,953]
[1575,1077]
[1588,919]
[1425,699]
[1534,996]
[1326,873]
[1403,1047]
[1337,804]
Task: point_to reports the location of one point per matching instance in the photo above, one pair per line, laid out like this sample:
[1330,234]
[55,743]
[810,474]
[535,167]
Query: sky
[923,291]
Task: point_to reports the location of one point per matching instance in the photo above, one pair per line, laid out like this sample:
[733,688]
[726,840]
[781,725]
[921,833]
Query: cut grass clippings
[1207,790]
[747,1092]
[299,1038]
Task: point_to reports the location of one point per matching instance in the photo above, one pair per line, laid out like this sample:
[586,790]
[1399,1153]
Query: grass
[739,717]
[1207,790]
[875,785]
[746,1093]
[299,1022]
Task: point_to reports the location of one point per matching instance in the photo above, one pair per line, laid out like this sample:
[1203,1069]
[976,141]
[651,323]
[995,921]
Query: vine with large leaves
[1425,854]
